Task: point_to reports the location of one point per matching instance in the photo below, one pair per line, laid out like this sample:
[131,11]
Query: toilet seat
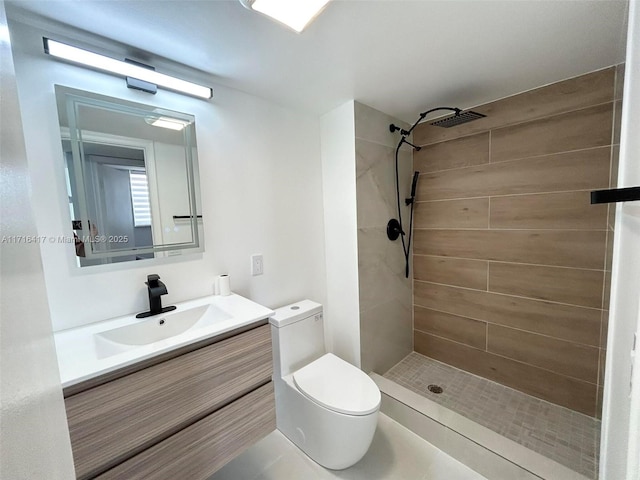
[339,386]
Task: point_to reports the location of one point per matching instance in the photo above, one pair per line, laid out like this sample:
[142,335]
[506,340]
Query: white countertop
[78,353]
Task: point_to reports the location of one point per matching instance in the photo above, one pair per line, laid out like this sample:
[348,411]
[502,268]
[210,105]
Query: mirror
[132,182]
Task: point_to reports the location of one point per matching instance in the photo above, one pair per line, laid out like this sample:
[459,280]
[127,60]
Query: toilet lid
[338,386]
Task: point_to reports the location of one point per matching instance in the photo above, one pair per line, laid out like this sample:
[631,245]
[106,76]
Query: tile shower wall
[510,259]
[384,292]
[613,183]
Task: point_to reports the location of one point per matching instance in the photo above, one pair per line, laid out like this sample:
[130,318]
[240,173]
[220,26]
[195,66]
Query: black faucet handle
[152,280]
[156,290]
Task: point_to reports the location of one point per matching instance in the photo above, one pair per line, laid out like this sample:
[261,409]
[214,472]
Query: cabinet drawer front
[201,449]
[113,422]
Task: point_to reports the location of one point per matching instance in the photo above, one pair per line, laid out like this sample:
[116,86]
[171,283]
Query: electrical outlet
[257,265]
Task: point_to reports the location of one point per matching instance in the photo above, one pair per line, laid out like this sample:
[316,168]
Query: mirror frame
[74,100]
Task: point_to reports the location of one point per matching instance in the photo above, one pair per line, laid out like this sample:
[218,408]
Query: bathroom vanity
[177,407]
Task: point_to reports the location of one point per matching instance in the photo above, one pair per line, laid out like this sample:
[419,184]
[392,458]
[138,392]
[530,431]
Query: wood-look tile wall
[510,259]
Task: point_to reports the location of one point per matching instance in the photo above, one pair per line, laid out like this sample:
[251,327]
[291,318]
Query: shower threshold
[497,431]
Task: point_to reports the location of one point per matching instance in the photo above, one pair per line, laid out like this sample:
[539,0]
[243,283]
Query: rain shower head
[458,119]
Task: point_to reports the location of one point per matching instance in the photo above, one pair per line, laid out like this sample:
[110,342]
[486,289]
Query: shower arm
[424,114]
[404,140]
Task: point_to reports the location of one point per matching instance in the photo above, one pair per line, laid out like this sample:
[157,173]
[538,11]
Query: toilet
[324,405]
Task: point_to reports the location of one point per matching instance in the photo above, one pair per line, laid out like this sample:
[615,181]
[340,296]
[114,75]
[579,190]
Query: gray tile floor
[568,437]
[396,453]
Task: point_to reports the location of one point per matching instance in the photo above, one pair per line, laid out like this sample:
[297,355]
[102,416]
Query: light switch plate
[257,264]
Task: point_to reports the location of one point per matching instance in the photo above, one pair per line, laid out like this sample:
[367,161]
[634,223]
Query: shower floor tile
[568,437]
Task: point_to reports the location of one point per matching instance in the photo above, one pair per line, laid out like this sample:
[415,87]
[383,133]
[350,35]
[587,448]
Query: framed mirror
[132,178]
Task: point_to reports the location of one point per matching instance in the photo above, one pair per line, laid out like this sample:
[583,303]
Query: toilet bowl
[324,405]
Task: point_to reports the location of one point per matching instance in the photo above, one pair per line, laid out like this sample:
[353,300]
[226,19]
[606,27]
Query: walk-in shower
[508,299]
[394,227]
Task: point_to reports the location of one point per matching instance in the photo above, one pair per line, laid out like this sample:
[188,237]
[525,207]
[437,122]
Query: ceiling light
[167,122]
[296,14]
[108,64]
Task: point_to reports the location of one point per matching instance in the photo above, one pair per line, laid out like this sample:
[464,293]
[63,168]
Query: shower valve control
[257,265]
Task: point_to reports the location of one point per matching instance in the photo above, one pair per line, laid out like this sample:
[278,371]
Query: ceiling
[398,56]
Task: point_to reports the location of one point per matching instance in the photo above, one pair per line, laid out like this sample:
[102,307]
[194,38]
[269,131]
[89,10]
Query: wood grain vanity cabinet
[181,415]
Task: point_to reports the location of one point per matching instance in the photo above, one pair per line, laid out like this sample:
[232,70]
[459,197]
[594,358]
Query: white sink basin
[98,348]
[157,328]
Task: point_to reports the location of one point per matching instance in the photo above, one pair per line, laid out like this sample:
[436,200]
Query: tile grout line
[497,195]
[490,134]
[488,274]
[551,192]
[560,230]
[512,295]
[502,261]
[486,336]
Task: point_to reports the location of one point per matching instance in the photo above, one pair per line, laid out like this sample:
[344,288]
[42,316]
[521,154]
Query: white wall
[621,412]
[342,313]
[261,188]
[34,441]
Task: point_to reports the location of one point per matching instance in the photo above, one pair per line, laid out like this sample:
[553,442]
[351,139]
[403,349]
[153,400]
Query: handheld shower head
[414,184]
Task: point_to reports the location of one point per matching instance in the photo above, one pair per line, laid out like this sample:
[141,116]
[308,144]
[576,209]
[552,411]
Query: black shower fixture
[458,119]
[394,128]
[394,230]
[394,227]
[414,184]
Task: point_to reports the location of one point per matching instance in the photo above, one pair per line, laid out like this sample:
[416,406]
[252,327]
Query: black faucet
[155,289]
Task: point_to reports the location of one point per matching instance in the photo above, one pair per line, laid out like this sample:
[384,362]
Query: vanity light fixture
[125,69]
[296,14]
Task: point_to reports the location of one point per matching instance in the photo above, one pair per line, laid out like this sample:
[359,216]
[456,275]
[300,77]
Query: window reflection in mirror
[132,178]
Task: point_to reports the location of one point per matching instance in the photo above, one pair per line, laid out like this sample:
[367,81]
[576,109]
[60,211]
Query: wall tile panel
[559,356]
[576,130]
[384,294]
[467,213]
[566,285]
[462,152]
[453,327]
[581,170]
[461,272]
[565,248]
[576,324]
[566,210]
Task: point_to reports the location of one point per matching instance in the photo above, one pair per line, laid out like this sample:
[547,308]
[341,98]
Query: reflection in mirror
[132,178]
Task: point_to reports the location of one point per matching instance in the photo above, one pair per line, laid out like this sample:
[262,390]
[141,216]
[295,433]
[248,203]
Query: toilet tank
[297,333]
